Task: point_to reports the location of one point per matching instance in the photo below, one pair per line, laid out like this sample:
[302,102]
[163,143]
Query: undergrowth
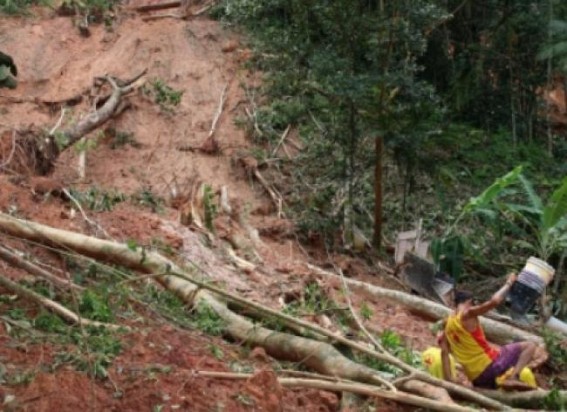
[163,95]
[102,200]
[394,344]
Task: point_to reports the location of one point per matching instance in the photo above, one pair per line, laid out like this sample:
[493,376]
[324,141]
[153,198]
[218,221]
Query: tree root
[40,151]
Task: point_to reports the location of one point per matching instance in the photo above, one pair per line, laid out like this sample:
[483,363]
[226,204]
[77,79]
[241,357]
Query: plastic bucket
[522,298]
[539,268]
[531,283]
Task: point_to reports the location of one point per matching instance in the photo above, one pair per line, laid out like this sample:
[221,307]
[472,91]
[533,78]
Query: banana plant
[448,250]
[543,223]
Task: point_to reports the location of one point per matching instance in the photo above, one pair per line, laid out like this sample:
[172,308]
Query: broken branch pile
[319,356]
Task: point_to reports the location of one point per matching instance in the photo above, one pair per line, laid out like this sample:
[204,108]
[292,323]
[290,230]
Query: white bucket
[540,268]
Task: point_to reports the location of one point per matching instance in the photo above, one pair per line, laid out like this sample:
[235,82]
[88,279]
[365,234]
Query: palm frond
[554,50]
[558,27]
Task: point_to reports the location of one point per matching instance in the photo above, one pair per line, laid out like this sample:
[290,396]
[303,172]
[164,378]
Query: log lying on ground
[158,6]
[338,386]
[496,331]
[318,355]
[530,399]
[42,151]
[100,116]
[53,306]
[15,260]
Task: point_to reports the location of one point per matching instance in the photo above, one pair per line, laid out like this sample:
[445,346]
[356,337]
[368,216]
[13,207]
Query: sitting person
[484,365]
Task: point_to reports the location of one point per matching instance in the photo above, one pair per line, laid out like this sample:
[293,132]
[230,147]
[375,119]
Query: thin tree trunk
[549,86]
[379,150]
[513,113]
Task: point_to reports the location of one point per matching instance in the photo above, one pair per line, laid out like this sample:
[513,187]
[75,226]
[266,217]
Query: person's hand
[512,277]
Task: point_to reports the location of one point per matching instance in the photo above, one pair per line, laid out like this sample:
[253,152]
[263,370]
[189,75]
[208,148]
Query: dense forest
[439,111]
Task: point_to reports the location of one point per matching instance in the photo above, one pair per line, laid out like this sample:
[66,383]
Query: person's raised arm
[494,301]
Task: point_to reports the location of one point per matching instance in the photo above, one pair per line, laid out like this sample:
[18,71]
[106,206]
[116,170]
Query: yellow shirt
[470,349]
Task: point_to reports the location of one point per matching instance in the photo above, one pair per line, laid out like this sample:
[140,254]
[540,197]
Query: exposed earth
[155,370]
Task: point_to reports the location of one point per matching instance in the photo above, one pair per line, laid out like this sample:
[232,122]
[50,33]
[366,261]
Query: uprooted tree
[316,352]
[36,151]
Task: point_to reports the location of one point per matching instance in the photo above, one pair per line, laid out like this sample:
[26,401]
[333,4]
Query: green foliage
[48,322]
[163,95]
[210,208]
[16,313]
[216,352]
[98,200]
[121,139]
[61,140]
[365,311]
[556,46]
[87,144]
[348,75]
[94,351]
[539,227]
[18,7]
[557,352]
[145,197]
[313,301]
[165,299]
[482,55]
[92,10]
[390,340]
[448,250]
[207,320]
[554,401]
[394,344]
[244,399]
[87,348]
[95,307]
[19,378]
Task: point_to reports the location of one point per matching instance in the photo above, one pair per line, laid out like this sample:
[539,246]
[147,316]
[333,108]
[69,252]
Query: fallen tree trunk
[35,270]
[531,399]
[496,331]
[53,306]
[352,387]
[42,149]
[320,356]
[158,6]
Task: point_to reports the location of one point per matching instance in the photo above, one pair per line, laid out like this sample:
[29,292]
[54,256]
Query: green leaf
[556,208]
[132,244]
[493,191]
[535,200]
